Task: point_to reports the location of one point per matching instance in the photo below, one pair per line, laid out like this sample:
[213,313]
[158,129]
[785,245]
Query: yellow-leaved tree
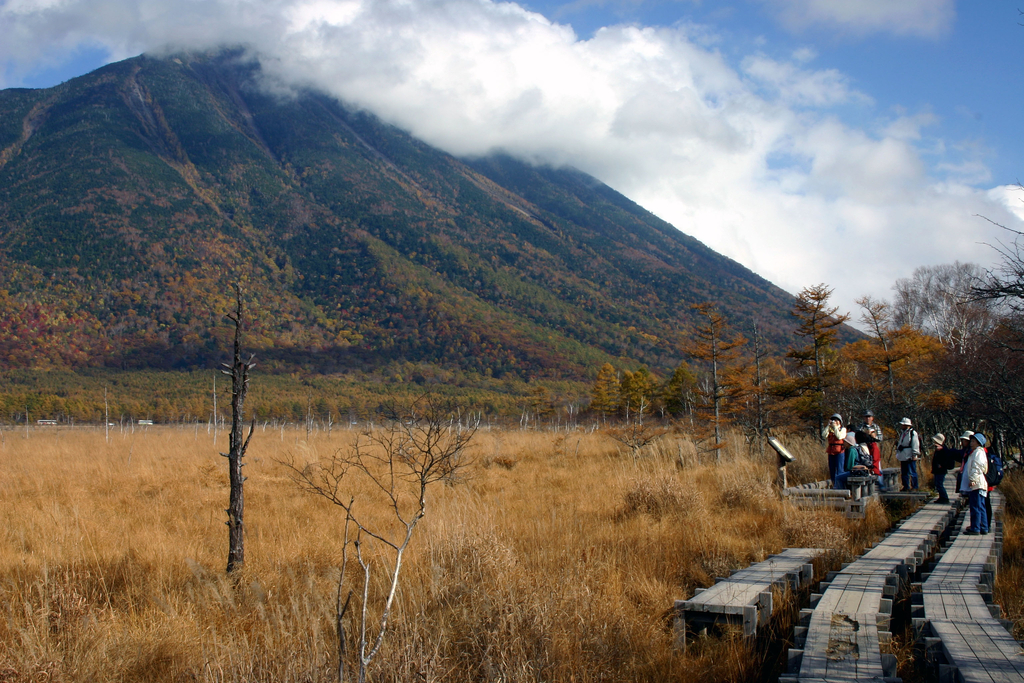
[895,365]
[604,396]
[636,394]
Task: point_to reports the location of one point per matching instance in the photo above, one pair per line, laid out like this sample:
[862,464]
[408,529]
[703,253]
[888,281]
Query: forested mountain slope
[131,198]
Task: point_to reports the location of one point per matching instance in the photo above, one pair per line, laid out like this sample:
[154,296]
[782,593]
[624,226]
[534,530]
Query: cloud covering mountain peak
[752,157]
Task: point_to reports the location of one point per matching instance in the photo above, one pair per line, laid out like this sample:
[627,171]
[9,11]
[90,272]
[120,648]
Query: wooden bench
[861,486]
[842,636]
[809,487]
[851,501]
[746,597]
[959,628]
[891,478]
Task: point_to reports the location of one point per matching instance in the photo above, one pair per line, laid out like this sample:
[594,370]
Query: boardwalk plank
[842,641]
[983,651]
[972,640]
[741,598]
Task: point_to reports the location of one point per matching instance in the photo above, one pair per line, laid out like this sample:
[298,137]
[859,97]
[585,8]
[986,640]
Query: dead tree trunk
[239,373]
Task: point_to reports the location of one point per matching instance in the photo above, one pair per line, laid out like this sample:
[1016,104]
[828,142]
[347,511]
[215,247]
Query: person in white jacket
[974,484]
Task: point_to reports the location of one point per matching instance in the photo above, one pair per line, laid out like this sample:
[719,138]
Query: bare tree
[719,354]
[942,300]
[634,434]
[758,409]
[1003,288]
[239,373]
[416,448]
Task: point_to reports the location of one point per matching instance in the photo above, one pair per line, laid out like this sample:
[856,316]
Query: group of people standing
[858,450]
[978,472]
[853,450]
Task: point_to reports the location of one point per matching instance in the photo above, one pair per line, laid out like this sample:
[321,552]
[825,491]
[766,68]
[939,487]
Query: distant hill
[131,197]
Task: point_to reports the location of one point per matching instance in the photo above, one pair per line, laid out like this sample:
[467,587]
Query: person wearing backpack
[849,458]
[995,469]
[908,452]
[943,460]
[873,439]
[856,459]
[994,475]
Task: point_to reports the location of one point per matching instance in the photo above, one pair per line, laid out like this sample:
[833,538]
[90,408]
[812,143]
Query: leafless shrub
[417,447]
[636,436]
[715,563]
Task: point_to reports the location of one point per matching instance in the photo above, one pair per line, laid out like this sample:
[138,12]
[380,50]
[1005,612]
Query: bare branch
[417,447]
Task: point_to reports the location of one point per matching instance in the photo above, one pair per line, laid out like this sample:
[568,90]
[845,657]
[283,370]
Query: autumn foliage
[953,364]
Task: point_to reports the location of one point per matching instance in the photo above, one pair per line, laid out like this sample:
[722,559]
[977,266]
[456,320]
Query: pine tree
[604,396]
[816,362]
[540,402]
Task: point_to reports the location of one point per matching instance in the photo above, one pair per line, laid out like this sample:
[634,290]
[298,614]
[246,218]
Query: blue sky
[812,140]
[965,72]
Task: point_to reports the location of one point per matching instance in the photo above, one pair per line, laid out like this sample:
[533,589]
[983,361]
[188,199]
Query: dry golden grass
[1009,587]
[555,558]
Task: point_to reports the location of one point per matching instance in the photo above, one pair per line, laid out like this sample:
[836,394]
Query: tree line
[947,351]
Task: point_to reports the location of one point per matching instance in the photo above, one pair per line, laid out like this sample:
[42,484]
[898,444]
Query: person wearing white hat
[961,455]
[973,484]
[908,452]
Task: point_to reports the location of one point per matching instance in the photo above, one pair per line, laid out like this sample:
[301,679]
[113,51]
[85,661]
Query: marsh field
[551,556]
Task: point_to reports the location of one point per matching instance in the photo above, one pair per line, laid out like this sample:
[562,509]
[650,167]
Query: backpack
[864,458]
[995,470]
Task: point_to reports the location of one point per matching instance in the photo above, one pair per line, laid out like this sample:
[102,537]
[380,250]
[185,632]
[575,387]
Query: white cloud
[804,55]
[750,161]
[1010,196]
[923,18]
[795,86]
[909,127]
[968,172]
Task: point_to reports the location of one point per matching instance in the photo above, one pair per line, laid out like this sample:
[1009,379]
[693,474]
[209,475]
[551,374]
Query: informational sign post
[785,457]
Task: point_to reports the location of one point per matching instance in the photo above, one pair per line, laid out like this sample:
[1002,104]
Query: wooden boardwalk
[851,501]
[746,597]
[967,641]
[842,636]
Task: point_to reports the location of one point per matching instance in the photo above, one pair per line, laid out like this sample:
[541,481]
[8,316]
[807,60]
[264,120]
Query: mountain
[132,197]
